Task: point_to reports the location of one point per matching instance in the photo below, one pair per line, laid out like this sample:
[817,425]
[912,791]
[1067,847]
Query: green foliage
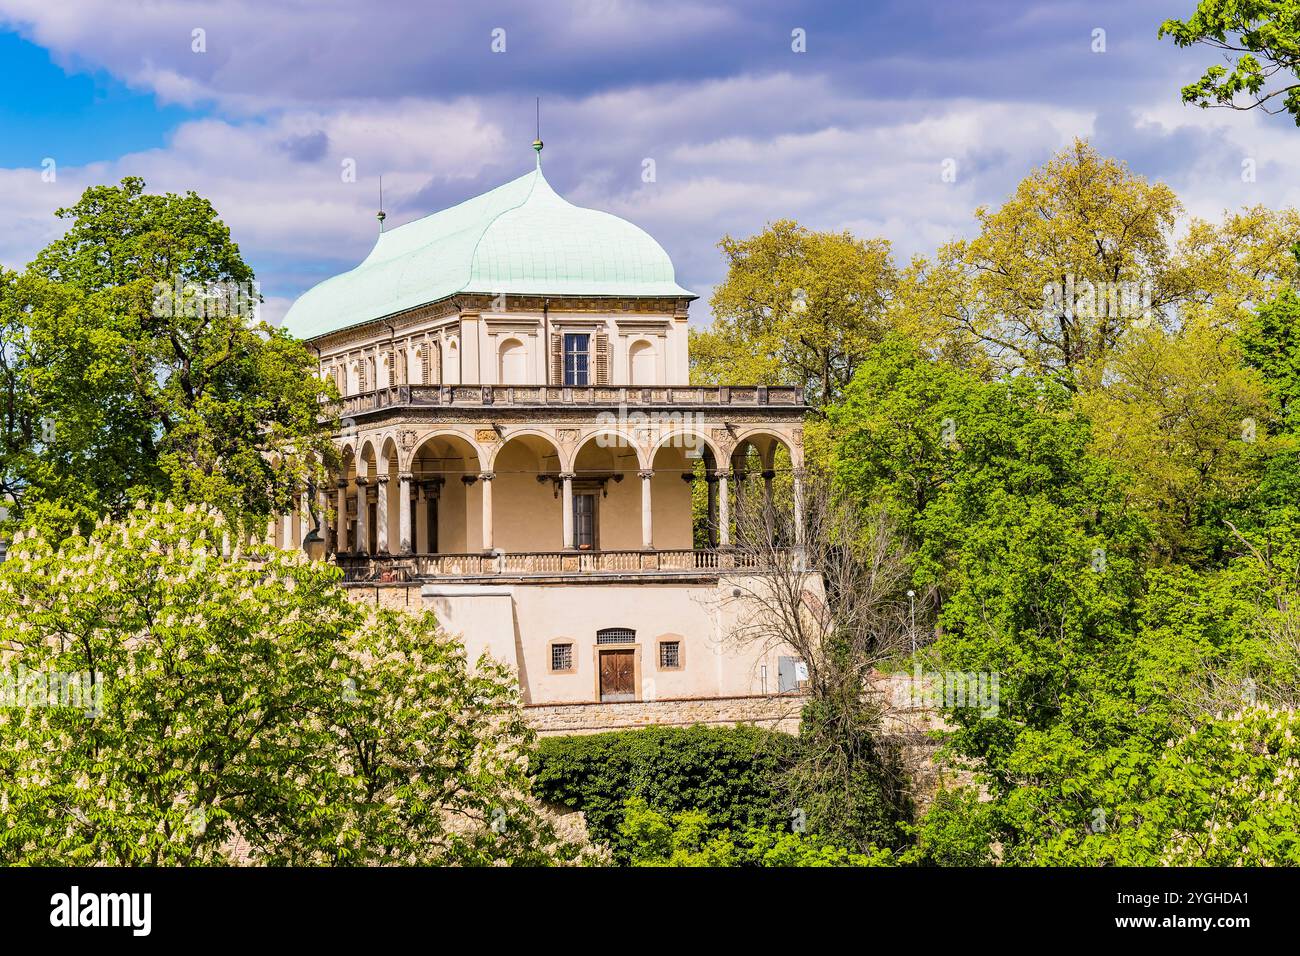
[848,785]
[797,308]
[1263,35]
[1225,794]
[731,775]
[896,428]
[1270,342]
[243,709]
[132,390]
[957,830]
[689,840]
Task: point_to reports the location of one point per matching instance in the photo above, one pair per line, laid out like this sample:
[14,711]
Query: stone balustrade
[358,568]
[587,396]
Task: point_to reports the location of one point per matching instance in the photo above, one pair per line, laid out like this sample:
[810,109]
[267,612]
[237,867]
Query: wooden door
[584,522]
[617,675]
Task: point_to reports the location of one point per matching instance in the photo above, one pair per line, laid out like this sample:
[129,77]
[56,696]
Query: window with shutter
[602,358]
[362,378]
[557,359]
[577,358]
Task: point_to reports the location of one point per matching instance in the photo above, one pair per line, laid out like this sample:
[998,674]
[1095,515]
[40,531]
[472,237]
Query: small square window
[561,657]
[670,654]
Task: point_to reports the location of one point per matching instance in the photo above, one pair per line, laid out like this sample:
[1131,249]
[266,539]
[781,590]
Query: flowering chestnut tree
[232,705]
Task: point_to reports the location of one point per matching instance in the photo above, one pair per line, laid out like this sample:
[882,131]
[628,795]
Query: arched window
[451,364]
[641,363]
[513,364]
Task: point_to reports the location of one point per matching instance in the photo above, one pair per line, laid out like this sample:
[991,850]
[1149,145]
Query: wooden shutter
[602,358]
[557,358]
[361,375]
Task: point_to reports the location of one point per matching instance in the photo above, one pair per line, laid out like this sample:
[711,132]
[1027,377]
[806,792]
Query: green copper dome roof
[518,239]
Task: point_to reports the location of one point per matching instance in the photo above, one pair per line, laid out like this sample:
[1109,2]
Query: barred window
[670,654]
[561,657]
[616,635]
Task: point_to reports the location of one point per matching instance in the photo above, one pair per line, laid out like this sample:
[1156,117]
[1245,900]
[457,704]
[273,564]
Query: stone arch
[527,508]
[766,441]
[491,454]
[347,459]
[689,439]
[605,468]
[621,438]
[447,493]
[367,457]
[389,453]
[414,444]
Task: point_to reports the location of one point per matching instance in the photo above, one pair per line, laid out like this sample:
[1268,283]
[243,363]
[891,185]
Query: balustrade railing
[551,563]
[591,396]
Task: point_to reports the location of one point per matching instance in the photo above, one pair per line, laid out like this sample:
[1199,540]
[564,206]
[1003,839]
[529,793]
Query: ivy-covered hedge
[730,773]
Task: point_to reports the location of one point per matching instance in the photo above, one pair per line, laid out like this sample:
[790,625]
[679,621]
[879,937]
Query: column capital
[342,484]
[646,473]
[362,481]
[405,476]
[381,479]
[487,475]
[769,474]
[568,475]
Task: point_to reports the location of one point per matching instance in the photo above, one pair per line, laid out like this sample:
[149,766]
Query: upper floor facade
[506,340]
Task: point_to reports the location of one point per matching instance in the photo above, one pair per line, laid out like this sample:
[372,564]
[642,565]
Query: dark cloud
[308,147]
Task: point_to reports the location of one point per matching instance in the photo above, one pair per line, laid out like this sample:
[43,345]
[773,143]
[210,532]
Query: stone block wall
[771,712]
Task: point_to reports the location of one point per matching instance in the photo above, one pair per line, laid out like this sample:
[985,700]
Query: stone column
[768,505]
[486,477]
[341,520]
[647,519]
[304,517]
[798,507]
[322,513]
[724,512]
[711,484]
[363,517]
[404,513]
[422,544]
[567,478]
[287,523]
[381,514]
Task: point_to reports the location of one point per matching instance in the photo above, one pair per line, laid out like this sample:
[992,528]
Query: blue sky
[851,134]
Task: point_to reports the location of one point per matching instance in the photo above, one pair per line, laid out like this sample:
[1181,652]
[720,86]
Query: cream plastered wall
[528,514]
[475,356]
[519,623]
